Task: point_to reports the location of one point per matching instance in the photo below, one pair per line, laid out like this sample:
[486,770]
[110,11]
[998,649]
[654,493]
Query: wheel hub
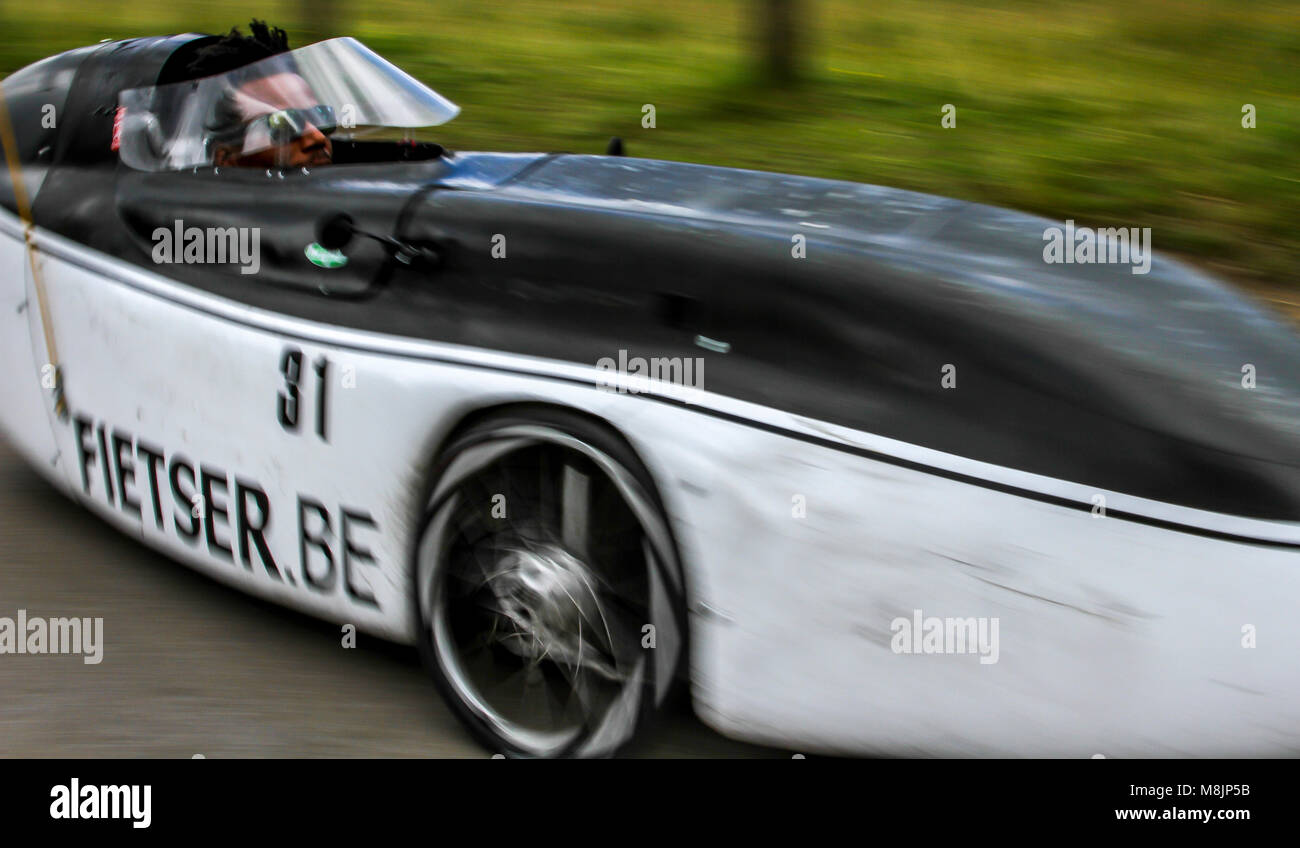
[548,603]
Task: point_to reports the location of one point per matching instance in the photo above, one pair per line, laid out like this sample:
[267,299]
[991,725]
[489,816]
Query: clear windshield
[283,111]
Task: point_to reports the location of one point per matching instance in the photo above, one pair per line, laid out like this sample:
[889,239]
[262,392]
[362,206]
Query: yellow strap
[10,143]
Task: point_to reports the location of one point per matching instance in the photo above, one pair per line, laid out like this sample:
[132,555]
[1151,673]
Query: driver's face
[269,94]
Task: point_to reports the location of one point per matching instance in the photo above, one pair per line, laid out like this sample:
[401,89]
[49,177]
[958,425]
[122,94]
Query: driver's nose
[312,138]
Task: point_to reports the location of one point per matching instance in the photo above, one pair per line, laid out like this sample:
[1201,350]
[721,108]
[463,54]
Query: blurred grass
[1114,113]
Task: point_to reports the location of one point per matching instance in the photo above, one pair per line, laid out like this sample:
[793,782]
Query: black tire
[543,554]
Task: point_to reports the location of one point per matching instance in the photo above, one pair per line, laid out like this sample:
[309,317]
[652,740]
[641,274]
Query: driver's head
[270,120]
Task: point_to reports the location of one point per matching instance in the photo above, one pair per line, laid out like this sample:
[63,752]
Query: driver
[270,121]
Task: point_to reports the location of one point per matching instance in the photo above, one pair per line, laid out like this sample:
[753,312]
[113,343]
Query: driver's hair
[235,50]
[230,51]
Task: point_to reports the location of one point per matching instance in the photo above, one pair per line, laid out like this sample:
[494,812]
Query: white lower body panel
[1115,638]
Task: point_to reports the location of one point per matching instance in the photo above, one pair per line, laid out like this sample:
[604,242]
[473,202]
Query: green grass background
[1114,113]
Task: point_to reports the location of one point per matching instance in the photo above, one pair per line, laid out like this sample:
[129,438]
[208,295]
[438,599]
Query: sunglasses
[284,125]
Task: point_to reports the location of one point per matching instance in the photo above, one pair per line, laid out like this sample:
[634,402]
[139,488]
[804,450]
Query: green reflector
[323,258]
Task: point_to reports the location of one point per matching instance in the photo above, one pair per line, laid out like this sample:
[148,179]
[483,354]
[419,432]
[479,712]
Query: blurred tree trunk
[321,19]
[779,38]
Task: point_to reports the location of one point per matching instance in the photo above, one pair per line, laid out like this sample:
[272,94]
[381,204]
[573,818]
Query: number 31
[289,400]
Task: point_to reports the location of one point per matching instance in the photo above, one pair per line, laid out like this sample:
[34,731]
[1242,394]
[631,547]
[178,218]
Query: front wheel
[550,596]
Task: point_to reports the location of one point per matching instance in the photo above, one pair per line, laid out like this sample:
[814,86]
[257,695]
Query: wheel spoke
[601,624]
[507,684]
[580,690]
[575,510]
[556,697]
[477,570]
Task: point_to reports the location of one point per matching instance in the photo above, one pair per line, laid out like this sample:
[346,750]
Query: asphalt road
[192,667]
